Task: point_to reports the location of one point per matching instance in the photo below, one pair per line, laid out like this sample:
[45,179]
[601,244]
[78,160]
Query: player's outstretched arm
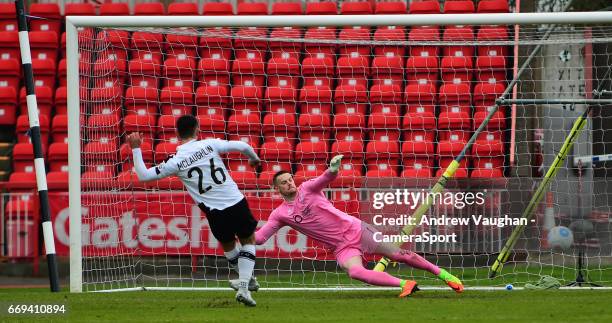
[145,174]
[322,181]
[224,146]
[264,233]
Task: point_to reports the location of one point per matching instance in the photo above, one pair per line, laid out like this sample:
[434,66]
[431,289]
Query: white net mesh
[400,103]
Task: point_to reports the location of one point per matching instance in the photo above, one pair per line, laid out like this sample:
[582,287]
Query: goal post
[398,95]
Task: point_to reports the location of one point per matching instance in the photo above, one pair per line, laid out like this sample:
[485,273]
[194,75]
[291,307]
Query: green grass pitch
[346,306]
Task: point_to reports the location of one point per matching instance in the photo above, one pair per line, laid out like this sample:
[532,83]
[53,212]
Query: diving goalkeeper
[308,211]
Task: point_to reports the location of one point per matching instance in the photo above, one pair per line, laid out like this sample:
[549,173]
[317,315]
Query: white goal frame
[74,22]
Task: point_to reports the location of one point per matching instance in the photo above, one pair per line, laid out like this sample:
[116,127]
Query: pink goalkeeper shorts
[359,241]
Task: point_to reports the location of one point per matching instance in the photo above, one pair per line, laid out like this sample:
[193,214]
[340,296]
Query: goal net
[399,102]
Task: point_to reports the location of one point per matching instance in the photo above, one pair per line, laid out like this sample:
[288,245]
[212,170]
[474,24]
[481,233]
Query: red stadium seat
[356,8]
[352,150]
[287,8]
[422,70]
[10,74]
[418,142]
[61,100]
[486,93]
[491,69]
[425,94]
[116,43]
[383,94]
[451,142]
[79,9]
[350,99]
[166,128]
[210,95]
[489,144]
[248,71]
[456,69]
[44,100]
[383,172]
[244,125]
[418,166]
[181,46]
[20,182]
[350,127]
[277,125]
[51,11]
[320,33]
[458,34]
[283,72]
[424,7]
[216,41]
[218,9]
[316,99]
[183,9]
[176,100]
[23,128]
[149,9]
[492,33]
[179,72]
[286,49]
[252,8]
[58,157]
[247,97]
[23,157]
[57,181]
[489,163]
[97,180]
[214,70]
[382,150]
[493,6]
[103,128]
[308,152]
[388,70]
[322,8]
[9,45]
[147,46]
[314,127]
[390,33]
[390,8]
[114,9]
[144,73]
[145,124]
[8,16]
[352,35]
[281,99]
[44,69]
[141,101]
[455,7]
[497,121]
[318,71]
[353,70]
[212,125]
[107,100]
[386,125]
[275,152]
[428,33]
[8,106]
[59,128]
[419,116]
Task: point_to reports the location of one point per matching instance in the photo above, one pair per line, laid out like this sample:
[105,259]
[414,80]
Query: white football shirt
[199,166]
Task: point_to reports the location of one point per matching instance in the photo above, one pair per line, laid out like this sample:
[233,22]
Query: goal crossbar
[588,18]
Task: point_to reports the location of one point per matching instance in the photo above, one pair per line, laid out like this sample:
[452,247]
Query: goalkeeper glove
[334,164]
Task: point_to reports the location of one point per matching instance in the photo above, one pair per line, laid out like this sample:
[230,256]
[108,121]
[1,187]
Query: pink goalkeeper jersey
[312,214]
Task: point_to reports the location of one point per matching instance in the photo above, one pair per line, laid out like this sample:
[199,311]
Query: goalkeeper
[198,165]
[308,211]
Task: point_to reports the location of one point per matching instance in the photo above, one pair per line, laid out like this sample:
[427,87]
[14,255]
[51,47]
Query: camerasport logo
[155,225]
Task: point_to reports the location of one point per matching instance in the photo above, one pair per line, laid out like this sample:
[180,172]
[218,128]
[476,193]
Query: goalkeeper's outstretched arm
[322,181]
[264,233]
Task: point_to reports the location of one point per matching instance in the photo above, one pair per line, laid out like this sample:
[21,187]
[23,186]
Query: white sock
[232,258]
[246,263]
